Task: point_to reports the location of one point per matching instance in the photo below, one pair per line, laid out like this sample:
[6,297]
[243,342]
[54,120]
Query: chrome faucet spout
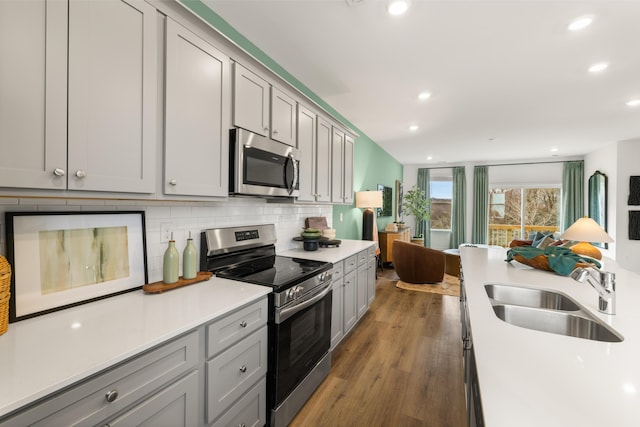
[604,283]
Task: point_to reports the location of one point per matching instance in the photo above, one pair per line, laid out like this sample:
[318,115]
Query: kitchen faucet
[604,283]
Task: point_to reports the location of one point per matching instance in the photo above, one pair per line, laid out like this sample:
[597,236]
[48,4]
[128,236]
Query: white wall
[185,217]
[605,160]
[627,251]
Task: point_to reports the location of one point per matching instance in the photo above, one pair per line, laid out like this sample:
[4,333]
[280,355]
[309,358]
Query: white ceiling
[508,80]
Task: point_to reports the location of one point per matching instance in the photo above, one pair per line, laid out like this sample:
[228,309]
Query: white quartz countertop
[41,355]
[333,254]
[532,378]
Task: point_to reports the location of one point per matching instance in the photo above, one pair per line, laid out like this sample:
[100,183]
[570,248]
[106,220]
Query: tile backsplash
[182,218]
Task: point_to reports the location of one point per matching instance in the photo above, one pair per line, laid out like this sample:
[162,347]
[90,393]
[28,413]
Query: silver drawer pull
[243,324]
[243,369]
[58,172]
[111,396]
[242,425]
[80,174]
[173,182]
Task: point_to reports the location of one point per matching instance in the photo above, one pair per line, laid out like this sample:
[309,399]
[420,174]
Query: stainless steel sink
[530,297]
[574,324]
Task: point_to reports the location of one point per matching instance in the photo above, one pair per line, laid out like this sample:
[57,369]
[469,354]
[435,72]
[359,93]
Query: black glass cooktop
[276,271]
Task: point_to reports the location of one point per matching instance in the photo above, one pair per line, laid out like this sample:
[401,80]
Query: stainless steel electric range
[299,310]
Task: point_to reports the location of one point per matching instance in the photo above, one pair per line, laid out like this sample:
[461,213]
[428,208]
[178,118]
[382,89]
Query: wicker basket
[5,286]
[541,262]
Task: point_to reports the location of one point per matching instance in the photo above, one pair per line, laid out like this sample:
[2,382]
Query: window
[516,212]
[440,203]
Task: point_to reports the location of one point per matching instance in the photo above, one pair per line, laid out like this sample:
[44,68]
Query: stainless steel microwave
[260,166]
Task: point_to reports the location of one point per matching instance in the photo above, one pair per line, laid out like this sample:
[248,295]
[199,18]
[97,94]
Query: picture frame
[398,201]
[387,195]
[64,259]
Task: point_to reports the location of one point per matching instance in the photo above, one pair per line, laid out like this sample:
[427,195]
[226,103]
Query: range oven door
[301,339]
[261,166]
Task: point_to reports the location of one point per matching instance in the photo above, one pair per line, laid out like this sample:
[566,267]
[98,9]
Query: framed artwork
[398,200]
[634,225]
[634,191]
[63,259]
[387,201]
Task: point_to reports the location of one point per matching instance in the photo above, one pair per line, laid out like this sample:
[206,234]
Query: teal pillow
[539,238]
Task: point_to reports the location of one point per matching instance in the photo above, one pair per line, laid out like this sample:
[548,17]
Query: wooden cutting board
[319,222]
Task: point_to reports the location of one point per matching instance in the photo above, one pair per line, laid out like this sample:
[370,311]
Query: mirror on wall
[387,195]
[598,201]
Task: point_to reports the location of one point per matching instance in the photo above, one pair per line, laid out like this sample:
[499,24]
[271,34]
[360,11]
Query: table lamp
[368,200]
[586,230]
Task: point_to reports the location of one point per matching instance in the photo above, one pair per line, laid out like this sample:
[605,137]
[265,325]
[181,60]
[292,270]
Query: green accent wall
[372,165]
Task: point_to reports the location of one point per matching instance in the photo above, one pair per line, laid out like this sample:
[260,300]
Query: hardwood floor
[400,366]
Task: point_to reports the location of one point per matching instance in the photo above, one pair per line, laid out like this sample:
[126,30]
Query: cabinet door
[349,301]
[337,164]
[371,280]
[250,101]
[323,161]
[361,293]
[175,406]
[307,148]
[112,95]
[337,312]
[349,143]
[33,88]
[197,115]
[283,117]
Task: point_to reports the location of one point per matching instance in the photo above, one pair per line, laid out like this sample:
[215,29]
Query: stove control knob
[290,294]
[298,290]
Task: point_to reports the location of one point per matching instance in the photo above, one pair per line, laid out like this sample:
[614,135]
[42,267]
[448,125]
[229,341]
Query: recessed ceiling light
[429,157]
[424,95]
[398,7]
[633,103]
[413,128]
[580,23]
[554,149]
[600,66]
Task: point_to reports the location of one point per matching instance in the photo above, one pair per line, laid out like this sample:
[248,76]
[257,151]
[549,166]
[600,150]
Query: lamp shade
[369,199]
[586,230]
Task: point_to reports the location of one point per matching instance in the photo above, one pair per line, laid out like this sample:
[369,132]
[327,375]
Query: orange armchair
[417,264]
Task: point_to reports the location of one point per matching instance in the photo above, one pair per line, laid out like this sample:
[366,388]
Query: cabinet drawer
[250,411]
[87,403]
[232,373]
[371,252]
[350,263]
[338,270]
[227,331]
[363,257]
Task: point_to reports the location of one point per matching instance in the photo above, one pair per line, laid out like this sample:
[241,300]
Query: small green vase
[170,263]
[189,265]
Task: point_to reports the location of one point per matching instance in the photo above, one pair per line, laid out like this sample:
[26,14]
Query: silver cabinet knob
[173,182]
[266,129]
[80,173]
[243,324]
[242,425]
[58,172]
[243,369]
[111,396]
[275,132]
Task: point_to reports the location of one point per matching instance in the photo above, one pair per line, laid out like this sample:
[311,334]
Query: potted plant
[415,203]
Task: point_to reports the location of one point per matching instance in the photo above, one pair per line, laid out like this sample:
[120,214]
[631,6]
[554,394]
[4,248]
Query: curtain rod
[506,164]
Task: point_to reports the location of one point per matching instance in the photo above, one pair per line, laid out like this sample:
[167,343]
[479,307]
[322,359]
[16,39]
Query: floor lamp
[369,200]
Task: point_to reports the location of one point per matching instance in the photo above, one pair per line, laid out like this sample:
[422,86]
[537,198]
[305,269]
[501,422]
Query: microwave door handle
[283,315]
[295,173]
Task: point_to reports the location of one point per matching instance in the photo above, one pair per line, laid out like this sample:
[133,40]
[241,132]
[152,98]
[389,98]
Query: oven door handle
[282,315]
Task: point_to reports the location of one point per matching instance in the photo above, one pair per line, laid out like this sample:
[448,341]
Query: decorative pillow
[569,243]
[546,241]
[539,237]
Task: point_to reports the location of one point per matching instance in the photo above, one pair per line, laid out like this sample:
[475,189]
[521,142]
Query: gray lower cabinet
[337,304]
[213,375]
[107,395]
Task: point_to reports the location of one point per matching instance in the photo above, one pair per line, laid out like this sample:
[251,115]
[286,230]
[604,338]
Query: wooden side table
[386,239]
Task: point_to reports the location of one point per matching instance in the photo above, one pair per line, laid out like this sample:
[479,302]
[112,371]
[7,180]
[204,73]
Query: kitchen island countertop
[44,354]
[532,378]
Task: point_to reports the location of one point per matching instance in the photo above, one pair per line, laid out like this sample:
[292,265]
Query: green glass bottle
[189,265]
[170,263]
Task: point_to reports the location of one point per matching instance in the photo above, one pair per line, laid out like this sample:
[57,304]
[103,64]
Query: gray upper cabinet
[341,167]
[112,96]
[307,146]
[33,104]
[107,141]
[250,101]
[283,117]
[323,161]
[197,115]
